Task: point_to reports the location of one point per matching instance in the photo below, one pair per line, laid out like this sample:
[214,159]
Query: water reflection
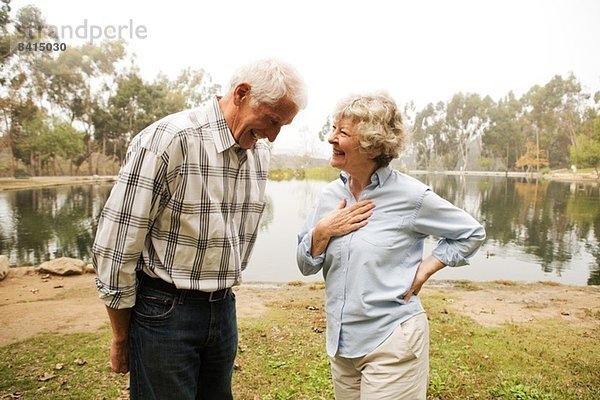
[42,224]
[556,222]
[537,230]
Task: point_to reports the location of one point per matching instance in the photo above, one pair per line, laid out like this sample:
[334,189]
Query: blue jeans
[181,346]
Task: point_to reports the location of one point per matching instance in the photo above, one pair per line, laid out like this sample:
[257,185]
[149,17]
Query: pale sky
[424,51]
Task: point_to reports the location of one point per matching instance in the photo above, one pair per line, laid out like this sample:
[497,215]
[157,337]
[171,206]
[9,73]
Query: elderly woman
[366,233]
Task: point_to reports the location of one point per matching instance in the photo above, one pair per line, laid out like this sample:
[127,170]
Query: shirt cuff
[114,298]
[306,245]
[446,255]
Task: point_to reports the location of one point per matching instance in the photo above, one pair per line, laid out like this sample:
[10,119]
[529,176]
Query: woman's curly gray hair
[378,123]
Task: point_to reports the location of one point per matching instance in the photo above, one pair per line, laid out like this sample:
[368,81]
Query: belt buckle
[211,299]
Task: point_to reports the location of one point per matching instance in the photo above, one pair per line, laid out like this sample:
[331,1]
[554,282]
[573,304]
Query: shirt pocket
[384,231]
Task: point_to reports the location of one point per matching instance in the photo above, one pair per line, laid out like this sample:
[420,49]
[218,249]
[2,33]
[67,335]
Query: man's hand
[119,346]
[339,222]
[119,356]
[428,267]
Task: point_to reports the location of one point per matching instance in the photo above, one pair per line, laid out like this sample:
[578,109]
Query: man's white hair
[270,81]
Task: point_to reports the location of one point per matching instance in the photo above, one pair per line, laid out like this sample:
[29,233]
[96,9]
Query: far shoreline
[36,182]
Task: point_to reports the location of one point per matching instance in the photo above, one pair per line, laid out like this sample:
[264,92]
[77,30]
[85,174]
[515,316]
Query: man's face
[260,121]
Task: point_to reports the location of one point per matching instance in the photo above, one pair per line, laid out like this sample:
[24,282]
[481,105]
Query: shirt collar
[221,133]
[379,177]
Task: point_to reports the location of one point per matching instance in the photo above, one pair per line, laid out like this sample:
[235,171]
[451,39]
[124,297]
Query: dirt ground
[31,304]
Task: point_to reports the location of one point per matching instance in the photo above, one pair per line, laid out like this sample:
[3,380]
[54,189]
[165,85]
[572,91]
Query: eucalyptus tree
[553,113]
[77,82]
[5,36]
[21,96]
[467,119]
[586,151]
[429,139]
[503,140]
[137,103]
[28,144]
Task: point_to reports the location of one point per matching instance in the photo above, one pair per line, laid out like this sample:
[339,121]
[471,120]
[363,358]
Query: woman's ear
[374,154]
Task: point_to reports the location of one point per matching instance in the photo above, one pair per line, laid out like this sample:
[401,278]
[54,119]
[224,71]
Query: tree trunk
[31,164]
[11,157]
[104,155]
[89,152]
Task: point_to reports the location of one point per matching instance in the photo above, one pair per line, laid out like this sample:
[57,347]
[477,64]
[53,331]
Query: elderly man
[178,229]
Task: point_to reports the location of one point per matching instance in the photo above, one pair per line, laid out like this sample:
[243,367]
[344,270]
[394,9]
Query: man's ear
[240,92]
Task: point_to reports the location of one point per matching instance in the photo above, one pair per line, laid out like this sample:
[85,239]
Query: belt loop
[181,296]
[212,298]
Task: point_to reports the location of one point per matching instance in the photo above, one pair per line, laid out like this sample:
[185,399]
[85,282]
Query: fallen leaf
[80,361]
[312,308]
[59,366]
[46,377]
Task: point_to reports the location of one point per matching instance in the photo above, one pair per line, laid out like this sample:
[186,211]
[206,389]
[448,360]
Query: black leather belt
[159,284]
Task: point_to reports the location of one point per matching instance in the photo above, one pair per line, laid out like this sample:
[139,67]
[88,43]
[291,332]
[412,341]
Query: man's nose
[272,133]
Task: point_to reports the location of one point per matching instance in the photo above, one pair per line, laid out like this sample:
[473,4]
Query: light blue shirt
[368,272]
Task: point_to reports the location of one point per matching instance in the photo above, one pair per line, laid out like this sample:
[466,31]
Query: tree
[21,93]
[466,121]
[29,144]
[326,129]
[76,80]
[503,139]
[586,151]
[429,137]
[194,86]
[5,37]
[532,158]
[136,104]
[553,114]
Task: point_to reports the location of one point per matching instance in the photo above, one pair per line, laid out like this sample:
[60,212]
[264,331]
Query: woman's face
[346,148]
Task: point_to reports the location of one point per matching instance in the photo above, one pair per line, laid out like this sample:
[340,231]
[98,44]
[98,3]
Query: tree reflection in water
[554,222]
[42,224]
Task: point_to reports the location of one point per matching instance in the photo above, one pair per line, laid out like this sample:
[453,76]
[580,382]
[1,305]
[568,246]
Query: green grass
[25,365]
[541,360]
[281,356]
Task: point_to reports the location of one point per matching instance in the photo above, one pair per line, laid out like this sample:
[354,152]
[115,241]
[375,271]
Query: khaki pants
[396,370]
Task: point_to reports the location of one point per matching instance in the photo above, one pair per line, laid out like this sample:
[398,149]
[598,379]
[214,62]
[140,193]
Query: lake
[536,230]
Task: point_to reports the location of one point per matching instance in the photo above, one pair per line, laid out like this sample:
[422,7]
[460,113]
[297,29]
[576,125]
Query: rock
[22,271]
[3,267]
[89,269]
[62,266]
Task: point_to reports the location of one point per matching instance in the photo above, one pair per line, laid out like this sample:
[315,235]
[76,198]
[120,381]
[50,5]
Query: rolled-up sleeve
[308,264]
[124,225]
[460,235]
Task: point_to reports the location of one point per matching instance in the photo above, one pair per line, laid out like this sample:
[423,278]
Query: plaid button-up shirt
[185,208]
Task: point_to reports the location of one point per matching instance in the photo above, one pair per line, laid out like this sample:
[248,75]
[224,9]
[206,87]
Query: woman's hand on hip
[426,268]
